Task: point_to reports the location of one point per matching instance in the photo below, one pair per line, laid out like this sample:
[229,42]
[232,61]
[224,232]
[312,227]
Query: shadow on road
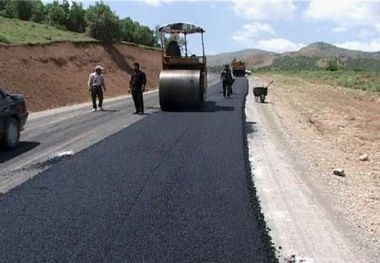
[250,127]
[110,110]
[265,102]
[24,147]
[208,106]
[153,108]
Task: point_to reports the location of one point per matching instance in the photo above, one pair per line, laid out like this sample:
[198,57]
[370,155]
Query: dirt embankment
[336,127]
[56,74]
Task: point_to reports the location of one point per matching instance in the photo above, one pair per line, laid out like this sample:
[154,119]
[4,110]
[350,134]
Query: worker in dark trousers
[227,80]
[96,85]
[137,87]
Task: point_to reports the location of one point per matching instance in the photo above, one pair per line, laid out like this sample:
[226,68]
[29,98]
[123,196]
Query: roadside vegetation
[358,73]
[14,31]
[363,80]
[61,20]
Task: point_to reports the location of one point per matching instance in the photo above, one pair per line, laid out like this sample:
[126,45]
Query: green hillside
[15,31]
[314,63]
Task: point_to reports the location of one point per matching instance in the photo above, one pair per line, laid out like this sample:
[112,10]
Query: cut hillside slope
[56,74]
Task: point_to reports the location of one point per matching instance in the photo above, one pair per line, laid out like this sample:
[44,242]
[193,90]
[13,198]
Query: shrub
[3,39]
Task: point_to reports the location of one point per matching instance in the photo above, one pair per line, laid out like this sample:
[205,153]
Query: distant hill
[323,50]
[315,55]
[253,57]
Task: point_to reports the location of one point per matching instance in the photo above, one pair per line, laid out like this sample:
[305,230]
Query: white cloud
[156,3]
[265,9]
[366,34]
[250,31]
[345,13]
[377,27]
[152,2]
[278,45]
[340,29]
[371,46]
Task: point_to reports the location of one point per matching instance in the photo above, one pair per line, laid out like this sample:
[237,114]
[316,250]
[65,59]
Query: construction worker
[227,81]
[96,86]
[137,87]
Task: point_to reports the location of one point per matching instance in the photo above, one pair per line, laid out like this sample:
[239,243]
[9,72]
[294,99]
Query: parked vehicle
[238,68]
[13,115]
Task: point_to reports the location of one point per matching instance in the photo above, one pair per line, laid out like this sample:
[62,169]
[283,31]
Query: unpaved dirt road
[312,213]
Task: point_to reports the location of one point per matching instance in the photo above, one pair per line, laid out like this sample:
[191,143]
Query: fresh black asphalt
[173,187]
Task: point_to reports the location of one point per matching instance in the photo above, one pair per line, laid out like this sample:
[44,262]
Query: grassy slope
[14,31]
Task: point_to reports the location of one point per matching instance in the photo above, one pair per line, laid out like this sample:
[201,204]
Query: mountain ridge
[315,55]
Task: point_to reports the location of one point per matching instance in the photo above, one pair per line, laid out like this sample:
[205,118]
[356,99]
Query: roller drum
[180,89]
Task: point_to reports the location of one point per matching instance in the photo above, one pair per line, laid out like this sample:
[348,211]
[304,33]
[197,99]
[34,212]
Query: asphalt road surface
[68,129]
[171,187]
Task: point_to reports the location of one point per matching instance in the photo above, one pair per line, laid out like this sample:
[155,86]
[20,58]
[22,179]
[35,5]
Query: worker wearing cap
[96,86]
[137,87]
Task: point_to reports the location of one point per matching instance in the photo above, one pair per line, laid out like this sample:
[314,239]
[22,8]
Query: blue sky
[275,25]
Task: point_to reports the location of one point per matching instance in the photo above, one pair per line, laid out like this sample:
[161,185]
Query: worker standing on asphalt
[137,87]
[96,86]
[227,81]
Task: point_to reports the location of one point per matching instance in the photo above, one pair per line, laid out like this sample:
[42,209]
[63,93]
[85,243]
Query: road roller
[183,78]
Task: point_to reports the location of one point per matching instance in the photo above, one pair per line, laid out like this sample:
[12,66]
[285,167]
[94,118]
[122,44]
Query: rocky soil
[338,131]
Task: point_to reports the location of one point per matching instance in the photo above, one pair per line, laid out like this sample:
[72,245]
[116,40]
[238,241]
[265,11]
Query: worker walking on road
[227,81]
[137,87]
[96,86]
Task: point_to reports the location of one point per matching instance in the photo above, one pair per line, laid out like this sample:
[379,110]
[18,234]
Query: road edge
[272,252]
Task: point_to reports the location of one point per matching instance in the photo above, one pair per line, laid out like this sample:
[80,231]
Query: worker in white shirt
[96,86]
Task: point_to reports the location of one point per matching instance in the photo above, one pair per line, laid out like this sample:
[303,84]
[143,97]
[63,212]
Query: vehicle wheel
[12,133]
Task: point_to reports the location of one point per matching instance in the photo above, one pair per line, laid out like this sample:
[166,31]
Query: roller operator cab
[183,79]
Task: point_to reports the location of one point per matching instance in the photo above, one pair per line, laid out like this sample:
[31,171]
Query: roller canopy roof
[183,28]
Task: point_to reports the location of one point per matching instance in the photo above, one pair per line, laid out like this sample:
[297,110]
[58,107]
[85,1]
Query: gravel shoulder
[296,140]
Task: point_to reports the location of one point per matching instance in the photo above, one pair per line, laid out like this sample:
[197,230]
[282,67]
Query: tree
[102,23]
[145,36]
[56,15]
[38,12]
[76,20]
[132,31]
[128,27]
[332,65]
[24,9]
[9,8]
